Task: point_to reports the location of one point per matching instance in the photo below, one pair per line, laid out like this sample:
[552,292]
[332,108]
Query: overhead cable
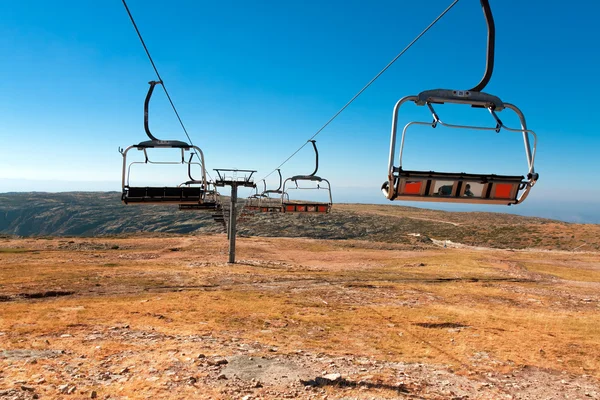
[161,80]
[366,86]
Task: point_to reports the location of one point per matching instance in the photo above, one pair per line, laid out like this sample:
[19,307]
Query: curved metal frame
[146,104]
[491,46]
[314,143]
[530,152]
[127,168]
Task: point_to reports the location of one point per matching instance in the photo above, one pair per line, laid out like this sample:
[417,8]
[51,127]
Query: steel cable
[162,83]
[366,86]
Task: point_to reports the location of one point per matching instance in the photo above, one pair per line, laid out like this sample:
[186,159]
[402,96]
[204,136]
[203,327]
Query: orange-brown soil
[166,317]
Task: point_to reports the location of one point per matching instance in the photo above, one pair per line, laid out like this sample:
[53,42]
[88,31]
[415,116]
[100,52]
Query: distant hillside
[102,213]
[89,214]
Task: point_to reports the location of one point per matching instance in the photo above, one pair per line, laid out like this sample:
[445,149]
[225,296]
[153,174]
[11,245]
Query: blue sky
[254,80]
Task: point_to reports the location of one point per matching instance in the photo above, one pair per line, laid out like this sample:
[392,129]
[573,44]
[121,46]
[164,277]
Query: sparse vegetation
[367,309]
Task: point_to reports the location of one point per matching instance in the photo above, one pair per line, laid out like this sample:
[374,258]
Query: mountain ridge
[102,213]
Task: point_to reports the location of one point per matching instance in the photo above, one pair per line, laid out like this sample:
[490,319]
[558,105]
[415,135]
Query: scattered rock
[24,354]
[259,371]
[191,380]
[217,361]
[328,379]
[93,395]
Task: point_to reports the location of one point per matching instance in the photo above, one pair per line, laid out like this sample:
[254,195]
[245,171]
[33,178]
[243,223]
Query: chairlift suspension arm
[491,46]
[316,158]
[146,104]
[280,180]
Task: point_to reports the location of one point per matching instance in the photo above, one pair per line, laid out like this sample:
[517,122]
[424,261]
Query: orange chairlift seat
[403,184]
[197,194]
[307,206]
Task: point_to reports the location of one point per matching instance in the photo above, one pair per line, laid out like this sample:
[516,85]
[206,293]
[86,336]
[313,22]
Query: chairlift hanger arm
[146,104]
[280,180]
[316,158]
[473,96]
[491,46]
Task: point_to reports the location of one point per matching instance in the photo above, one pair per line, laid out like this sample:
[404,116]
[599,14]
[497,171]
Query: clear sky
[254,80]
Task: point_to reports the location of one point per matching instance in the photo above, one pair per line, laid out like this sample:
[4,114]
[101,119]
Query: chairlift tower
[233,178]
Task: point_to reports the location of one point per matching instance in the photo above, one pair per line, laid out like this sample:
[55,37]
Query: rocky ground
[251,371]
[167,318]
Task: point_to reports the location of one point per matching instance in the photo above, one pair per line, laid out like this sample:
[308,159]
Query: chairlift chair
[307,206]
[411,185]
[253,201]
[192,194]
[263,202]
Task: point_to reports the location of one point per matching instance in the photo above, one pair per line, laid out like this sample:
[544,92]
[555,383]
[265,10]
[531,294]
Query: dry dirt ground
[166,317]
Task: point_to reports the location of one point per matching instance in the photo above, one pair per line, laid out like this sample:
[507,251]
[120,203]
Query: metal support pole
[234,181]
[232,220]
